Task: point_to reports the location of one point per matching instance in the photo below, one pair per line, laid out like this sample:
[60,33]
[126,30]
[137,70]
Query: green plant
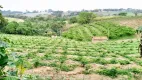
[40,51]
[88,69]
[64,67]
[113,61]
[124,62]
[62,59]
[48,56]
[37,63]
[3,57]
[21,66]
[82,60]
[109,72]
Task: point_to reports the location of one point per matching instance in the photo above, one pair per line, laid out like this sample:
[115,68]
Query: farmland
[87,31]
[80,46]
[119,59]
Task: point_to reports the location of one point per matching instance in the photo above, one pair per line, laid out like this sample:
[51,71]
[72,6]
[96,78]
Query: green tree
[86,17]
[3,22]
[73,20]
[11,28]
[122,14]
[57,27]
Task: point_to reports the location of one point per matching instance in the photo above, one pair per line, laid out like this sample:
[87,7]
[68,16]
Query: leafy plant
[3,57]
[109,72]
[88,69]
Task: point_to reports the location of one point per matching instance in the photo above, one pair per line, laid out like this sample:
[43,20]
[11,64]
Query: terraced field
[87,31]
[117,60]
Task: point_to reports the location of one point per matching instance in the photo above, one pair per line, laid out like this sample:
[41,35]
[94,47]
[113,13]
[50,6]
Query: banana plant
[3,57]
[4,61]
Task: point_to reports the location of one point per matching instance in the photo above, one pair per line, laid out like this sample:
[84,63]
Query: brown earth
[134,23]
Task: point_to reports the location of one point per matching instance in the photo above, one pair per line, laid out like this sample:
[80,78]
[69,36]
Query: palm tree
[139,31]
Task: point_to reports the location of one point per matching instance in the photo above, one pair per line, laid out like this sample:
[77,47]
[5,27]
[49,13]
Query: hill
[133,22]
[87,31]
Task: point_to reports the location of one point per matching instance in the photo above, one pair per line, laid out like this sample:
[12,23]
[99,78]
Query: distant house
[96,39]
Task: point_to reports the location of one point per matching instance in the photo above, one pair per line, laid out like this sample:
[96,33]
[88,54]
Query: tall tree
[57,27]
[86,17]
[3,22]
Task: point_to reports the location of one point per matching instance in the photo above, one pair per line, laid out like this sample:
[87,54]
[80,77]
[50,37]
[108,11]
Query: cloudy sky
[65,5]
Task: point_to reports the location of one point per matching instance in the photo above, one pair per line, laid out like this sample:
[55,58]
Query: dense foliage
[87,31]
[36,26]
[3,57]
[85,17]
[116,31]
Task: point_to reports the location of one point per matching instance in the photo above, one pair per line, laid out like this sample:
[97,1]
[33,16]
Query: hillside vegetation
[87,31]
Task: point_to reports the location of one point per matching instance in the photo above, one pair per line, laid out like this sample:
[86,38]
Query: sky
[65,5]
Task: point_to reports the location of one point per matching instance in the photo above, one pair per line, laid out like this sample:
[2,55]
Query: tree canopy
[3,22]
[86,17]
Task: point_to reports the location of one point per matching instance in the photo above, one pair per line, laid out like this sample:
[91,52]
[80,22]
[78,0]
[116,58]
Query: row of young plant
[87,31]
[57,52]
[116,31]
[12,67]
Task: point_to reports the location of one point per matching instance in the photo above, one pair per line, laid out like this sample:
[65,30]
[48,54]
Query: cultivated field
[67,59]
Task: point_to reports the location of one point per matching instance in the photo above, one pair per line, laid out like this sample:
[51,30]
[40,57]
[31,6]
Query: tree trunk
[141,46]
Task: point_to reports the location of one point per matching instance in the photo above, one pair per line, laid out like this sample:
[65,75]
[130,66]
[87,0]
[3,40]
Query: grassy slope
[120,54]
[133,22]
[14,19]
